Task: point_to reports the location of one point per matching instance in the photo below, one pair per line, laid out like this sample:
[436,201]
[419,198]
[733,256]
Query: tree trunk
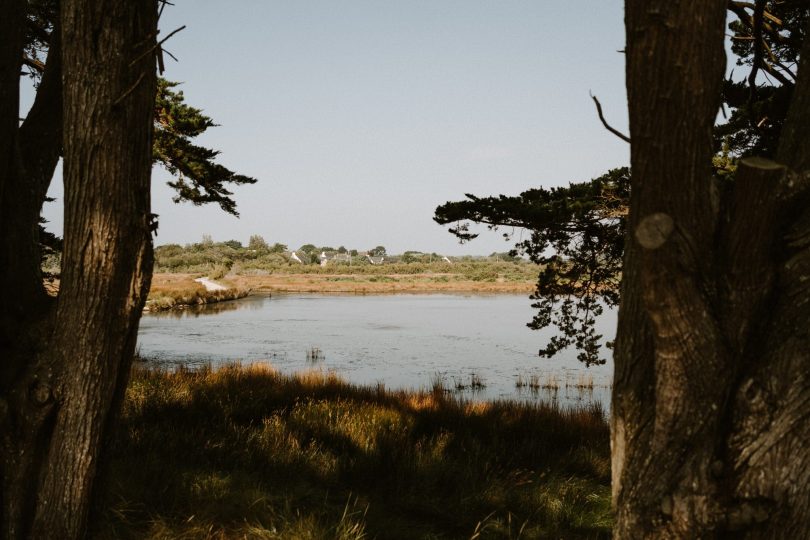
[23,307]
[711,391]
[71,362]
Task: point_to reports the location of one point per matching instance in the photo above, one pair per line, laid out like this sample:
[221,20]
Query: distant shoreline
[425,283]
[180,290]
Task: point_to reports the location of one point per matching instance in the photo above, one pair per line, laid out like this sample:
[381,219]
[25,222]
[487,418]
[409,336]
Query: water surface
[401,341]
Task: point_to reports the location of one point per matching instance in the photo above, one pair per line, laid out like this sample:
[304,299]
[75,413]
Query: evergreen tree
[710,394]
[198,177]
[577,238]
[65,364]
[576,233]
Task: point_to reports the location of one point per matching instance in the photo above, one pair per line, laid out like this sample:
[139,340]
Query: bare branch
[776,61]
[173,32]
[156,46]
[770,70]
[129,90]
[610,128]
[163,4]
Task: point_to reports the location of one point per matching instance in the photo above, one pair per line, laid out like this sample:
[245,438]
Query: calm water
[402,341]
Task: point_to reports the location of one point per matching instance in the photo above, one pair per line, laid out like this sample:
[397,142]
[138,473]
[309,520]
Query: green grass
[243,452]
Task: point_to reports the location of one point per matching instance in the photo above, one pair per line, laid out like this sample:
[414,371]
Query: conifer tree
[576,232]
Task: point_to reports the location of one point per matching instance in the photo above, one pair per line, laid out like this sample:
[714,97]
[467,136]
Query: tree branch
[759,9]
[613,130]
[41,132]
[773,72]
[129,90]
[739,9]
[156,46]
[33,63]
[38,31]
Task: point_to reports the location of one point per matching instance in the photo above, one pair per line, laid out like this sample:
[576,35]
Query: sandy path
[210,285]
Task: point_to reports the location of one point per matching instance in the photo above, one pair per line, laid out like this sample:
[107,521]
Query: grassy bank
[246,453]
[378,283]
[266,269]
[169,291]
[181,288]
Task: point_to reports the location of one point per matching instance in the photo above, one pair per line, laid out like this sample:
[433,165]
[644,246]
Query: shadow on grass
[245,452]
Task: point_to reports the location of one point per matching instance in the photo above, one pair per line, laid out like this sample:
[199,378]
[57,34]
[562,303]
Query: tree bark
[29,153]
[60,385]
[19,259]
[711,393]
[23,307]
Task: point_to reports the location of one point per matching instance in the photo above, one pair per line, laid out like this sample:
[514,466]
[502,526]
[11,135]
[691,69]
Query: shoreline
[182,291]
[170,291]
[373,284]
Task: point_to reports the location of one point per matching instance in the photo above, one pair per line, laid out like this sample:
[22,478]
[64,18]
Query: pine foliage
[576,233]
[576,237]
[199,179]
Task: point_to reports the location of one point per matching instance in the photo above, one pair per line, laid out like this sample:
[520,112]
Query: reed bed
[582,382]
[245,452]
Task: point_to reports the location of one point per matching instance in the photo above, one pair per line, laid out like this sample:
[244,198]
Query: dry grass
[374,284]
[244,452]
[170,291]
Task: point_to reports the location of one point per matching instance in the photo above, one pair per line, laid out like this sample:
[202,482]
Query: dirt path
[211,285]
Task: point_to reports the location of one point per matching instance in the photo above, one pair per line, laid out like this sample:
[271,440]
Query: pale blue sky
[360,117]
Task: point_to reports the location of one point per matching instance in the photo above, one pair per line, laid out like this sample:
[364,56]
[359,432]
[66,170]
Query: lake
[401,341]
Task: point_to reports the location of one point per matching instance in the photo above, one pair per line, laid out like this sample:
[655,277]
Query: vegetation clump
[183,291]
[246,452]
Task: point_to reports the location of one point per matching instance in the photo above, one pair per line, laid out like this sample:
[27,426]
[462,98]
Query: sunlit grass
[244,452]
[171,291]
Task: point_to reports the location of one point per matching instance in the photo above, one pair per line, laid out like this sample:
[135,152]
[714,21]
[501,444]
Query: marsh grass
[584,382]
[171,292]
[475,383]
[315,355]
[244,452]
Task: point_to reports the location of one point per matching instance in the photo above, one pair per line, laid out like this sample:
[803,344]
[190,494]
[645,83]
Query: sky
[358,118]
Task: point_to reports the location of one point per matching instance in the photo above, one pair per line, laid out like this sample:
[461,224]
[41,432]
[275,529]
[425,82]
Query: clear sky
[360,117]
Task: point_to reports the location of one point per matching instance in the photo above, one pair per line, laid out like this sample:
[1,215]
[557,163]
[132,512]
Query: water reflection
[200,310]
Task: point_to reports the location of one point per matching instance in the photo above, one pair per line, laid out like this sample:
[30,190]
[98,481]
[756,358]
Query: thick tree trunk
[29,154]
[58,392]
[19,258]
[711,392]
[23,306]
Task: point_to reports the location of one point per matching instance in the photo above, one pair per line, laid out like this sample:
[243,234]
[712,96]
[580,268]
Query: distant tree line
[220,258]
